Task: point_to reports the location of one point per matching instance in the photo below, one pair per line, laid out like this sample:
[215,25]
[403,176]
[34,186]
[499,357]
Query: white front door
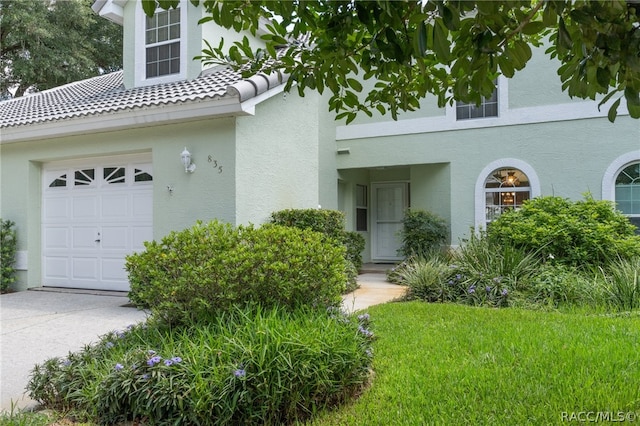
[94,213]
[389,201]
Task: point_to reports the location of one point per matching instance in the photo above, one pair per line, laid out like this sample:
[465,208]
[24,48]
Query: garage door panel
[140,235]
[115,238]
[55,208]
[115,206]
[85,207]
[113,269]
[56,238]
[85,237]
[143,204]
[84,268]
[56,267]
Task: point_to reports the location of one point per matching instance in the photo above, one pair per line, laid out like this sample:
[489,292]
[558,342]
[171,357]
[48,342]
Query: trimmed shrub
[587,232]
[249,366]
[210,268]
[8,245]
[327,222]
[331,224]
[422,232]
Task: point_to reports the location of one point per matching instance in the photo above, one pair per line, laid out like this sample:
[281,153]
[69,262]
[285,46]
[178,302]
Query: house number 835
[214,163]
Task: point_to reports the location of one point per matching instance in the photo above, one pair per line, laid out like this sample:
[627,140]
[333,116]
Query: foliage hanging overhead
[450,49]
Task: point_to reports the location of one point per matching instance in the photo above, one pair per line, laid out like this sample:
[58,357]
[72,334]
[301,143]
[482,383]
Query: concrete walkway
[374,289]
[38,325]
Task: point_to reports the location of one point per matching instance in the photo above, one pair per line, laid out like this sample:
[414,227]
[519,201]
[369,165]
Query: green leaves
[410,47]
[8,247]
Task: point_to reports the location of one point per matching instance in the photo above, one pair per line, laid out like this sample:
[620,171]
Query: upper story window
[161,51]
[487,108]
[162,41]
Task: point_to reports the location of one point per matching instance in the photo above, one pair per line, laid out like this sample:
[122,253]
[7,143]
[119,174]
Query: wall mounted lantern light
[189,167]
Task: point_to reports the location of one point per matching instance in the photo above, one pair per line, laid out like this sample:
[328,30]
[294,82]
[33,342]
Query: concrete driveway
[37,325]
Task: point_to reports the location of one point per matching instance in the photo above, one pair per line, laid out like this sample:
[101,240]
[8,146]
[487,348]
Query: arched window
[503,185]
[621,184]
[627,192]
[505,189]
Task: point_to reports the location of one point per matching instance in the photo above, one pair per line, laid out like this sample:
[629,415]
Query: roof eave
[113,10]
[125,119]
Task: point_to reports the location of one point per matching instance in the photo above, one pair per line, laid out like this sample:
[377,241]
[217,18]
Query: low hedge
[211,268]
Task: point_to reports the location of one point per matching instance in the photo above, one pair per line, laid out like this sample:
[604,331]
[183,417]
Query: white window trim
[502,101]
[612,172]
[511,163]
[140,74]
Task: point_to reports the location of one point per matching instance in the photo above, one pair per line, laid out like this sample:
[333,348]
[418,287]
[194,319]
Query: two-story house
[91,170]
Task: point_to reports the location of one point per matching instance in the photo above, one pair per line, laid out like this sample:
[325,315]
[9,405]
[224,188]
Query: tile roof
[106,94]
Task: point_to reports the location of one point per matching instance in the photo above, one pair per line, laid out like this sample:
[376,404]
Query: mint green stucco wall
[203,195]
[538,83]
[277,157]
[569,157]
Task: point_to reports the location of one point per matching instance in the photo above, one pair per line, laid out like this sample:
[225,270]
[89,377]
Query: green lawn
[453,364]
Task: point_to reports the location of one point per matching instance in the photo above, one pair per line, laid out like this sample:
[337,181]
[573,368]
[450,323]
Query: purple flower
[240,372]
[120,334]
[504,292]
[488,289]
[458,276]
[168,362]
[472,289]
[153,361]
[66,363]
[109,345]
[118,367]
[151,352]
[176,359]
[363,317]
[364,331]
[450,282]
[144,377]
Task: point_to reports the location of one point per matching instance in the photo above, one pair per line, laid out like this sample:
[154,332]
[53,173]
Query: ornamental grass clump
[250,366]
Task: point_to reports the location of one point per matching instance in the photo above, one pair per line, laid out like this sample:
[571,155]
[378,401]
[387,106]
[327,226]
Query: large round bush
[587,232]
[212,267]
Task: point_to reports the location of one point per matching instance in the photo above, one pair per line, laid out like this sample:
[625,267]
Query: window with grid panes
[162,39]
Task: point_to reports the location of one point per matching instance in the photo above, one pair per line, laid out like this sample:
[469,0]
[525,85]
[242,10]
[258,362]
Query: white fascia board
[249,106]
[126,119]
[508,117]
[112,10]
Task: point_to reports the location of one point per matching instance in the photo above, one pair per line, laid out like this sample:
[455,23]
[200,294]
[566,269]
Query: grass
[453,364]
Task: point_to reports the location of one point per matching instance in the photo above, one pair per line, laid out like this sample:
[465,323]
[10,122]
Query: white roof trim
[124,119]
[113,10]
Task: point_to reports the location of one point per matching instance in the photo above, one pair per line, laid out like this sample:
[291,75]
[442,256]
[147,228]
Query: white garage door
[94,213]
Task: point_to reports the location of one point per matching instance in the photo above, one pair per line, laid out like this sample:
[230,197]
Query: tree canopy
[46,43]
[452,49]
